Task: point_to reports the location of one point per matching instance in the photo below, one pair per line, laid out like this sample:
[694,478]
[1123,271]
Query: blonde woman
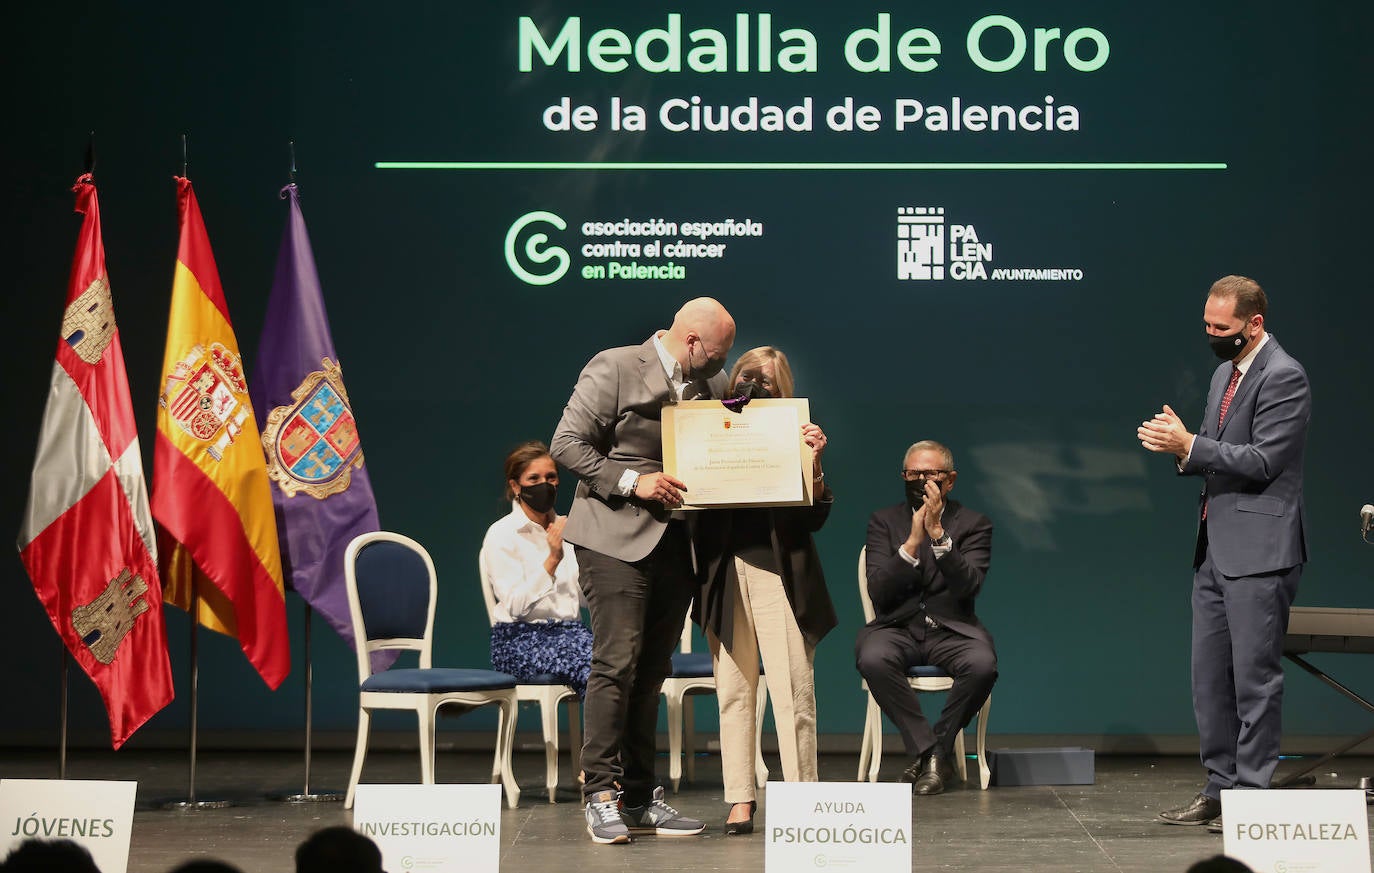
[764,596]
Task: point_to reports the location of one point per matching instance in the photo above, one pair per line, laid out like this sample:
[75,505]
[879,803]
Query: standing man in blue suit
[1251,541]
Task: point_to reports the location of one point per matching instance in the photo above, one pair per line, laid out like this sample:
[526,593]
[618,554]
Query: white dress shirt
[672,368]
[513,553]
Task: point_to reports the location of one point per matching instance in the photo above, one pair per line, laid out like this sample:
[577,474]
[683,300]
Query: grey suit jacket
[1253,466]
[613,423]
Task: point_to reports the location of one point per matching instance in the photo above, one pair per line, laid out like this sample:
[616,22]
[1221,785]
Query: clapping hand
[1165,433]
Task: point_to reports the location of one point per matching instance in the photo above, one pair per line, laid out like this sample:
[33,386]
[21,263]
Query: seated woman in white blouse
[533,574]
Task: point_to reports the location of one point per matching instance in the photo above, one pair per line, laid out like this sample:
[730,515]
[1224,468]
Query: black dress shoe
[913,771]
[1201,810]
[1214,826]
[740,828]
[936,773]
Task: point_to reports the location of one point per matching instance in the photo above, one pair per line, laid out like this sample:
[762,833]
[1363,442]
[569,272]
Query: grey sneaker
[603,819]
[660,818]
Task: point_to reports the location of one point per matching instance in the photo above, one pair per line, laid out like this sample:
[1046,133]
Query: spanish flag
[212,499]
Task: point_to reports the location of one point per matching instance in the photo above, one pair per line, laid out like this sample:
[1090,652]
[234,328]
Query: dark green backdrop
[450,359]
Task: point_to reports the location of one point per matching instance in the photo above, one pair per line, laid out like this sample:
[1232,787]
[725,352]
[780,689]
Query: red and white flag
[87,536]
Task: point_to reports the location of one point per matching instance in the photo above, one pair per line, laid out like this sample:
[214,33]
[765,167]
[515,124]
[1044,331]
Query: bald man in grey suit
[634,556]
[1251,541]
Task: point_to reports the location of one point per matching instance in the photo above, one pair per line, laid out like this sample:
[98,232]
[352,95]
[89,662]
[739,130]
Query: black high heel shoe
[740,828]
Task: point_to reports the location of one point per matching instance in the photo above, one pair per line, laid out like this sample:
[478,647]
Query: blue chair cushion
[925,671]
[437,680]
[691,665]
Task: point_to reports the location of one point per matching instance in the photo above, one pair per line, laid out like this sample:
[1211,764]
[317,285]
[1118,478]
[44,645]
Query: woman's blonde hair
[756,358]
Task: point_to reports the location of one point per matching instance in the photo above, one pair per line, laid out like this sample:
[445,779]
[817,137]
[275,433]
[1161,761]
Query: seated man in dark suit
[926,561]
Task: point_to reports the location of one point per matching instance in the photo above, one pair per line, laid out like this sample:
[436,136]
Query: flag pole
[191,801]
[325,795]
[62,716]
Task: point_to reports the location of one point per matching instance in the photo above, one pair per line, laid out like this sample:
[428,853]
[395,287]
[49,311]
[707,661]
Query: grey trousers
[638,611]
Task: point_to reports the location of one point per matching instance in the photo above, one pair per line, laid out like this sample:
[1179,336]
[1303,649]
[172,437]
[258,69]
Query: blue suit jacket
[1253,466]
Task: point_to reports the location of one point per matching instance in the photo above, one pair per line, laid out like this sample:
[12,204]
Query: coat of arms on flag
[206,393]
[312,445]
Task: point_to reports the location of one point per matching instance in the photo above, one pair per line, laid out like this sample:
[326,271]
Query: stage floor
[1107,827]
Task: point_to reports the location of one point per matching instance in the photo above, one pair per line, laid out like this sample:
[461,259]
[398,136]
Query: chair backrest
[488,595]
[392,588]
[863,585]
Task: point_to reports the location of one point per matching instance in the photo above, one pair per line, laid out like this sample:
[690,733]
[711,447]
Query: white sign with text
[97,815]
[1297,831]
[838,826]
[432,828]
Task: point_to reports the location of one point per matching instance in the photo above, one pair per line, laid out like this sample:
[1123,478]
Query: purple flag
[320,487]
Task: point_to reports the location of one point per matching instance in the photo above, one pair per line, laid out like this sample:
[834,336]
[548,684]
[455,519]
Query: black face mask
[539,497]
[915,493]
[1227,347]
[705,371]
[751,389]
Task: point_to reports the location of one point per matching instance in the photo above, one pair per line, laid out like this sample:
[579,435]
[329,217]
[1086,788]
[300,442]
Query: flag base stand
[190,805]
[326,795]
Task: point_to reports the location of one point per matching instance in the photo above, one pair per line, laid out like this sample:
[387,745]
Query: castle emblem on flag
[207,395]
[89,322]
[312,445]
[103,623]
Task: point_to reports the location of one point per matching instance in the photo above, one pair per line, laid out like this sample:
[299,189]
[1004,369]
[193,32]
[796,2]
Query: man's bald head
[708,318]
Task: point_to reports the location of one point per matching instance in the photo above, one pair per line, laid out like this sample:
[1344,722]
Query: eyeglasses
[754,376]
[933,475]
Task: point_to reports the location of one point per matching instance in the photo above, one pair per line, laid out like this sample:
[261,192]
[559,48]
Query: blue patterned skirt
[558,648]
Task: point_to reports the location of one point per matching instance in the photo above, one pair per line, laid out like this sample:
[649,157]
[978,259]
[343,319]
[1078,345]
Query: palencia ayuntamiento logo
[932,247]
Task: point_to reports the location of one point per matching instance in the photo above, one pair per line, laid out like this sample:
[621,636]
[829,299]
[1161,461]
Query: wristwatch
[943,542]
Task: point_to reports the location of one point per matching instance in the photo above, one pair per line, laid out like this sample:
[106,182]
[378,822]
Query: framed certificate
[755,457]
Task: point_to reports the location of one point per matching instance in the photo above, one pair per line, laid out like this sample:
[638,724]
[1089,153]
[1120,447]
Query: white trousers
[764,625]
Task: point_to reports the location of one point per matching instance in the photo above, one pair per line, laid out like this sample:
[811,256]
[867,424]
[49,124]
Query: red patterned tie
[1221,418]
[1229,395]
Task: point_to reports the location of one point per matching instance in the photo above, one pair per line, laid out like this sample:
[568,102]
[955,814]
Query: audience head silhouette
[338,850]
[1219,864]
[49,856]
[206,865]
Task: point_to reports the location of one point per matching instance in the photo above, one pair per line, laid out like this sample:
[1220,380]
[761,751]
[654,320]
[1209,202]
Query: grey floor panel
[1107,827]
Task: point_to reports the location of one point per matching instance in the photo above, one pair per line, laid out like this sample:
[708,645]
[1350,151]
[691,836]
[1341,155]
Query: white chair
[692,675]
[546,691]
[921,678]
[392,590]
